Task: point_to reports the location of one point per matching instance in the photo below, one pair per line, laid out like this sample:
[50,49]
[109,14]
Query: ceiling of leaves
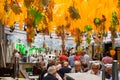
[46,14]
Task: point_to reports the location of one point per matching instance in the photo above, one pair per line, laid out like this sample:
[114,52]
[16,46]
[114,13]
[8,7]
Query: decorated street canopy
[74,15]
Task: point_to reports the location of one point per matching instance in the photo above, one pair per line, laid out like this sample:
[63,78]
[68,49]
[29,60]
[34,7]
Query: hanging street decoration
[72,16]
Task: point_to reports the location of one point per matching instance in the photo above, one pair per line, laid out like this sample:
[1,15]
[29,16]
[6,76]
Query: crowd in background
[76,62]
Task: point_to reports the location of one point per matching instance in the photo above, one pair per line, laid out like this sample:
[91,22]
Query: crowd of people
[75,63]
[78,62]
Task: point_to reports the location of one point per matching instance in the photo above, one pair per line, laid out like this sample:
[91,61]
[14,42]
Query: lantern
[112,52]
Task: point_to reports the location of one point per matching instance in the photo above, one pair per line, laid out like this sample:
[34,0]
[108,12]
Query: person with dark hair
[84,67]
[25,57]
[107,59]
[45,70]
[64,69]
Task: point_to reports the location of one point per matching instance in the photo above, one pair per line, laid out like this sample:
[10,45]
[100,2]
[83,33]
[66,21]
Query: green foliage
[88,39]
[114,21]
[87,28]
[39,50]
[97,21]
[79,49]
[74,14]
[21,48]
[37,16]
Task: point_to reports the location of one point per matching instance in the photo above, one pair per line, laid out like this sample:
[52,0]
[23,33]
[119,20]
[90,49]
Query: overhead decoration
[6,6]
[15,7]
[74,14]
[44,15]
[97,21]
[37,16]
[32,50]
[114,23]
[112,52]
[114,20]
[87,28]
[103,27]
[79,49]
[113,27]
[45,2]
[21,48]
[59,31]
[78,37]
[28,3]
[103,18]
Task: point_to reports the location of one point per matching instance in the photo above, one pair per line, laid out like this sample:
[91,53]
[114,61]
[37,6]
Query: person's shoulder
[73,70]
[49,77]
[86,55]
[89,71]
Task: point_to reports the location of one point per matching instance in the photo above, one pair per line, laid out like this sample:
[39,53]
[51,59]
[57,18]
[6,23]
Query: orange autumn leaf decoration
[112,52]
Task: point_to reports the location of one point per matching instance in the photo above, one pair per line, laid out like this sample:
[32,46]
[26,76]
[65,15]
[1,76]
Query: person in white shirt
[95,69]
[77,67]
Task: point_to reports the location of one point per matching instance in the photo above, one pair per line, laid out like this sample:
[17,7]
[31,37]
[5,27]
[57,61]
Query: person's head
[95,67]
[84,66]
[83,52]
[108,69]
[49,65]
[42,63]
[77,66]
[15,51]
[52,70]
[65,64]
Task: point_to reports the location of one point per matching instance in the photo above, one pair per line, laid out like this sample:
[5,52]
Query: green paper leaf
[74,14]
[96,21]
[79,49]
[37,16]
[88,28]
[21,48]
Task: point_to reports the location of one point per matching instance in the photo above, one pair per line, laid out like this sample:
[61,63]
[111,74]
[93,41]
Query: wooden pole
[63,40]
